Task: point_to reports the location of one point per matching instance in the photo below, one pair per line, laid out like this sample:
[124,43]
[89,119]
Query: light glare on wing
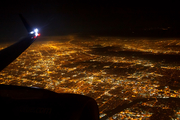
[35,32]
[32,32]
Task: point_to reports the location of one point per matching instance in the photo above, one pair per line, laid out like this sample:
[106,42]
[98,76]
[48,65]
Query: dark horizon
[89,18]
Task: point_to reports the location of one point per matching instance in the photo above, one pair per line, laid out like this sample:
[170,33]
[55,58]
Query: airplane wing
[35,103]
[10,53]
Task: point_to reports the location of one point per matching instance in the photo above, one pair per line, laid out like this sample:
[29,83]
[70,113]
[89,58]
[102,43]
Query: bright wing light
[32,32]
[36,32]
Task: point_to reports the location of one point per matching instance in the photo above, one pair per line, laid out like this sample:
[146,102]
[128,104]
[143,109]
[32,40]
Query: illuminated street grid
[125,77]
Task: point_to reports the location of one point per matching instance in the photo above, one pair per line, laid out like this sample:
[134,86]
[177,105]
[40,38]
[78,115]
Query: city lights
[135,74]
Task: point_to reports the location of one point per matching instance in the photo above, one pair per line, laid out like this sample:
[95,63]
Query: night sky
[88,18]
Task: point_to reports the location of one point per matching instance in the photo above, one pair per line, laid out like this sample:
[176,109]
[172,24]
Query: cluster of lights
[35,32]
[94,78]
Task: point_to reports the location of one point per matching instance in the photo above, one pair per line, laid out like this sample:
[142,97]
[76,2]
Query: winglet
[26,24]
